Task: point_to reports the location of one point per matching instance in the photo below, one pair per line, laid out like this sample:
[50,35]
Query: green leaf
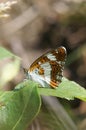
[19,107]
[4,53]
[67,89]
[9,66]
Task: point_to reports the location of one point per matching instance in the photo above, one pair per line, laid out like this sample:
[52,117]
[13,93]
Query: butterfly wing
[49,68]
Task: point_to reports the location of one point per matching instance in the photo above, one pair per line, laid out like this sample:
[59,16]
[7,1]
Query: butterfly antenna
[25,72]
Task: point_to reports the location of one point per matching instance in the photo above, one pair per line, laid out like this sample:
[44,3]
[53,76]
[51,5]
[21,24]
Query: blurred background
[29,28]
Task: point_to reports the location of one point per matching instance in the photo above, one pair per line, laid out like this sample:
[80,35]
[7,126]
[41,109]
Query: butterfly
[47,70]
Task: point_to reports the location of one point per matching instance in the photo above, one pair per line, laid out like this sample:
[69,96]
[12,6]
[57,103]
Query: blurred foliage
[5,7]
[9,66]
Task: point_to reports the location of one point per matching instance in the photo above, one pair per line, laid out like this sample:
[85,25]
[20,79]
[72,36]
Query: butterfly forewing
[48,69]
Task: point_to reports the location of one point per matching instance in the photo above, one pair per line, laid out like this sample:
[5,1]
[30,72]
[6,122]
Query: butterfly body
[48,69]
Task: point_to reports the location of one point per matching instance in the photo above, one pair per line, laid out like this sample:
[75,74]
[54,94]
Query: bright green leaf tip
[6,54]
[67,89]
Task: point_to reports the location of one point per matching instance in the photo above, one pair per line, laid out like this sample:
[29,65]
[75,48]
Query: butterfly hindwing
[49,67]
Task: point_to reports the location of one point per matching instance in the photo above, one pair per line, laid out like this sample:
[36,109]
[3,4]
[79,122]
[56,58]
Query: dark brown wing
[50,66]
